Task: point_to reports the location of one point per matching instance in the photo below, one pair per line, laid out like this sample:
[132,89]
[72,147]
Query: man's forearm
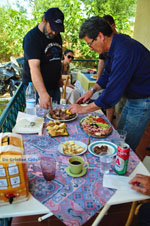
[38,81]
[90,108]
[96,87]
[100,68]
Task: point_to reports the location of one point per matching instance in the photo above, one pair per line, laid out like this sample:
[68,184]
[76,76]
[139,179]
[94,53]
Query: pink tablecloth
[72,200]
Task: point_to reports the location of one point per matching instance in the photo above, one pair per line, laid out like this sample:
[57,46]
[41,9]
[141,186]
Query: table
[30,207]
[123,196]
[85,80]
[72,200]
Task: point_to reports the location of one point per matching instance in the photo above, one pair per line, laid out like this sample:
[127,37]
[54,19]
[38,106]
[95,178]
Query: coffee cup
[76,164]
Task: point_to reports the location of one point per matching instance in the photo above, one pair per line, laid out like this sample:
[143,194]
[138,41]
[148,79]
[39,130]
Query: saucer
[76,175]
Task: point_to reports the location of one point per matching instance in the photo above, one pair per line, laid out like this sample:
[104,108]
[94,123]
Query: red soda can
[122,158]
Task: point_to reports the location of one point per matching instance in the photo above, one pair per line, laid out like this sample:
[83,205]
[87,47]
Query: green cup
[76,164]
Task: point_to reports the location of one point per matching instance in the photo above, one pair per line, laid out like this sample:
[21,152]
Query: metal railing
[9,115]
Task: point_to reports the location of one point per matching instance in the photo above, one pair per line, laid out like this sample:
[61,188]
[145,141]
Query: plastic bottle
[30,99]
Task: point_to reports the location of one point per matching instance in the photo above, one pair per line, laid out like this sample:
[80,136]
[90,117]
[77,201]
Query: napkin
[116,182]
[125,193]
[26,123]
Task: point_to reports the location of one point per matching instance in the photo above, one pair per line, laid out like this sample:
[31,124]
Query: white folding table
[26,208]
[124,196]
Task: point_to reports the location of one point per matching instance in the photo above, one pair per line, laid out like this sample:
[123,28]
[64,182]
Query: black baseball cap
[56,19]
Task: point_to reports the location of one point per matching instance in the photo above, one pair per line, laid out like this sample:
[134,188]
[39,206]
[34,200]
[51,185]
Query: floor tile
[33,220]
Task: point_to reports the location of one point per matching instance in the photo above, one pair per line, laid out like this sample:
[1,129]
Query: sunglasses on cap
[70,57]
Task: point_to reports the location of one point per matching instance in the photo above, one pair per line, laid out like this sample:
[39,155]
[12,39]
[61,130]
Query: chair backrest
[65,79]
[78,86]
[9,115]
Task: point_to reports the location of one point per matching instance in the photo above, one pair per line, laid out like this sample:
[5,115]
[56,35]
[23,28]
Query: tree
[76,11]
[13,30]
[14,25]
[121,10]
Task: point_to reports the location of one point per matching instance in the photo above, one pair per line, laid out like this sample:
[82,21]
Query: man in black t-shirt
[42,57]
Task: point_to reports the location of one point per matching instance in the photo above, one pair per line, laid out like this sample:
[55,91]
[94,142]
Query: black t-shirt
[103,56]
[48,51]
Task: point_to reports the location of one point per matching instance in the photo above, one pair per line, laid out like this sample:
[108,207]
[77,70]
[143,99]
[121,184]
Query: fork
[32,123]
[88,140]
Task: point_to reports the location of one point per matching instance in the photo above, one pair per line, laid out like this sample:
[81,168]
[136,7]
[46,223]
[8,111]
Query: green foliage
[3,105]
[15,24]
[121,10]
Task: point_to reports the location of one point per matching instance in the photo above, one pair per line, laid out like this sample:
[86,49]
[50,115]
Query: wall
[142,23]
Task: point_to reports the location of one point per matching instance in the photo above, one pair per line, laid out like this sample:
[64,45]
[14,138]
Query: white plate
[112,148]
[68,120]
[83,145]
[84,70]
[93,135]
[93,76]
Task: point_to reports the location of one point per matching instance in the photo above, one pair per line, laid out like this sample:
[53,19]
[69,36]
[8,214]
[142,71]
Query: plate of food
[94,76]
[91,70]
[56,128]
[84,70]
[63,115]
[96,126]
[97,147]
[72,147]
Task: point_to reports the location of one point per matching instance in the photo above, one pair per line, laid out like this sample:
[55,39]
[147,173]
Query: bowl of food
[96,148]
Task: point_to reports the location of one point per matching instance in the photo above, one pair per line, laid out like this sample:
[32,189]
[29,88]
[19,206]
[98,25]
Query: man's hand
[85,97]
[76,108]
[141,183]
[70,85]
[45,101]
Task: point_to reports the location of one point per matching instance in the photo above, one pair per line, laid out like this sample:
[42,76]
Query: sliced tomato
[100,120]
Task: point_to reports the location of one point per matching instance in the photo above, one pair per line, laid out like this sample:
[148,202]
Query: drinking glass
[44,112]
[105,162]
[48,167]
[122,134]
[54,104]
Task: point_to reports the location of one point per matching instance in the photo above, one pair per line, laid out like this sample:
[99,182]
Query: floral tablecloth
[73,200]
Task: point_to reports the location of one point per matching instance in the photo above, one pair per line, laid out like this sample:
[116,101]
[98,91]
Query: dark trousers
[144,215]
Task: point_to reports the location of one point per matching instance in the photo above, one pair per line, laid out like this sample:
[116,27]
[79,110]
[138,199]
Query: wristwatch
[93,90]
